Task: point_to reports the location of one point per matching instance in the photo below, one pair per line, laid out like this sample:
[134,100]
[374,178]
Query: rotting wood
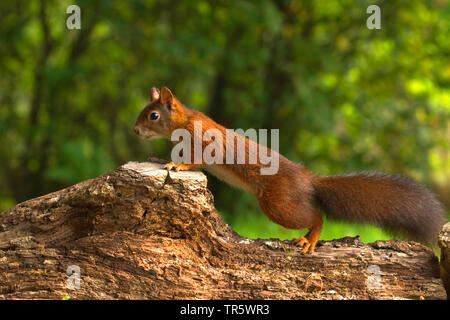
[444,243]
[134,234]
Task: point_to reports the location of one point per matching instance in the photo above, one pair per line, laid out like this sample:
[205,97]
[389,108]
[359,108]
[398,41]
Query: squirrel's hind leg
[295,214]
[309,241]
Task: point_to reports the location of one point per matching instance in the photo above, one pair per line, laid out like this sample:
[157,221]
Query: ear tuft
[167,98]
[154,94]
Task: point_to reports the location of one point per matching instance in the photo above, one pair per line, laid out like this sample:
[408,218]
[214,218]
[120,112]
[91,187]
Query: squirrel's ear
[167,98]
[154,94]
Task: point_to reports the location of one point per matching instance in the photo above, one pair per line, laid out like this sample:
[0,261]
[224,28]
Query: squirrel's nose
[137,130]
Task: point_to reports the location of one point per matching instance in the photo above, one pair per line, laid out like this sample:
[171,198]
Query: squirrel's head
[161,116]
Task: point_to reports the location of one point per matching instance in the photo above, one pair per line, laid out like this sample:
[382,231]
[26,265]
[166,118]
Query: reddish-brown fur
[398,204]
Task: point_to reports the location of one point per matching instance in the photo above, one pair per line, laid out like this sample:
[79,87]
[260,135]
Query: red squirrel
[293,195]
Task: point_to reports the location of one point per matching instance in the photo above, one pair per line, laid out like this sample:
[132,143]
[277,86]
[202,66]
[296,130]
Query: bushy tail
[396,203]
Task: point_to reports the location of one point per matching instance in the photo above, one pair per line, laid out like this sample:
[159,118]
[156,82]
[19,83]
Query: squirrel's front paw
[173,166]
[156,160]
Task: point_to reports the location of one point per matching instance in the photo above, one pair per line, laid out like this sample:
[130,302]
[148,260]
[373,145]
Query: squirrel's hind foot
[307,245]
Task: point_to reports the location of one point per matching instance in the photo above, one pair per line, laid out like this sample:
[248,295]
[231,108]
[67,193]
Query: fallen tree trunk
[444,243]
[137,233]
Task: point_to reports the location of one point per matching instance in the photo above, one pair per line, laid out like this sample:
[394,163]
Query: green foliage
[344,97]
[78,161]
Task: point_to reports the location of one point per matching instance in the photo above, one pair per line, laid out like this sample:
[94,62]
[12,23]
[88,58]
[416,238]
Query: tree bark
[137,233]
[444,243]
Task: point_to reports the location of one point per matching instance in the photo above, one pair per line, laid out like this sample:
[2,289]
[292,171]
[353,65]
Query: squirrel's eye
[154,115]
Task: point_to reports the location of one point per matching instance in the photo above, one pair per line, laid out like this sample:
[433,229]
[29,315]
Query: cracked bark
[135,234]
[444,243]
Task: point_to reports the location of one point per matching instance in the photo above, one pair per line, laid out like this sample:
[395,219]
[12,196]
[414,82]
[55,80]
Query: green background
[344,97]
